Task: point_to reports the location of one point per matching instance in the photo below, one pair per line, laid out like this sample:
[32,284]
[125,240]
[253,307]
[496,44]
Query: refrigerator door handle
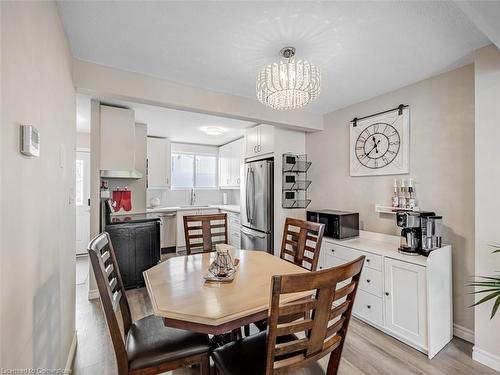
[247,196]
[253,194]
[251,234]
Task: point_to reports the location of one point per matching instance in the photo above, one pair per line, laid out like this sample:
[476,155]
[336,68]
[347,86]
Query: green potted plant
[490,285]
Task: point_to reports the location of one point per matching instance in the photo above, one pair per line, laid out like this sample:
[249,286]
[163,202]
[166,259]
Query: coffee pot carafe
[411,232]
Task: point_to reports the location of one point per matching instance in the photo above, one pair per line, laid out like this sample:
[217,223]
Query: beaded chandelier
[288,84]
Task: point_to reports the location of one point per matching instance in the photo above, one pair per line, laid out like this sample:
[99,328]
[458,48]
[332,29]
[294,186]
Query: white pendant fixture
[288,84]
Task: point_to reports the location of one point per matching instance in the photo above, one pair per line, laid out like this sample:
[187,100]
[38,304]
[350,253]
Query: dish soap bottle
[395,197]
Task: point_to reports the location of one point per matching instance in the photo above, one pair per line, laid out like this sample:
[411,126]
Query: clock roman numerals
[377,145]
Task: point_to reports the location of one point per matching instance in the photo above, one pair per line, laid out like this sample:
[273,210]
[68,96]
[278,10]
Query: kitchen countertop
[380,244]
[225,207]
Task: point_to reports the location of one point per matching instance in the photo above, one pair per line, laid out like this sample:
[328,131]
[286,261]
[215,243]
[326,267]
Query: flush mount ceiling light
[213,130]
[288,84]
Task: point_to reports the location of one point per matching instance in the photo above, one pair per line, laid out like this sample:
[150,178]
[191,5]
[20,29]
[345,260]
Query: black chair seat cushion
[150,343]
[246,356]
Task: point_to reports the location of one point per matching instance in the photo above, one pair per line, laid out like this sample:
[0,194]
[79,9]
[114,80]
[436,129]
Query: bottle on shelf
[411,195]
[395,197]
[402,194]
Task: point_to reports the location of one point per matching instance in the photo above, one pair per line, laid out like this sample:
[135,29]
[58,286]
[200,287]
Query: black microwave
[338,224]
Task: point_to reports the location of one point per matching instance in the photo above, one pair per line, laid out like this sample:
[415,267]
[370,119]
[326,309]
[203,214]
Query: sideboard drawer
[372,260]
[371,281]
[349,254]
[333,261]
[369,307]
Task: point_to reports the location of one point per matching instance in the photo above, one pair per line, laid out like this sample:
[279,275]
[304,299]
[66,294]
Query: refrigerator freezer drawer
[255,240]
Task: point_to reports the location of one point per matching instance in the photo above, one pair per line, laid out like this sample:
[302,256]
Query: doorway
[82,201]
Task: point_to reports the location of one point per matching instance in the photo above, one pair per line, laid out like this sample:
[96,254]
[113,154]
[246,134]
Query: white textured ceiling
[178,126]
[363,48]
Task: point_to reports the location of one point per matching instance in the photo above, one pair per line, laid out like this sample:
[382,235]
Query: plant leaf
[487,284]
[487,298]
[495,307]
[497,278]
[485,290]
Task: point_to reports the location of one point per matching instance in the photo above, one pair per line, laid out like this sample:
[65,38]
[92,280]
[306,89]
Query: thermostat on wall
[30,140]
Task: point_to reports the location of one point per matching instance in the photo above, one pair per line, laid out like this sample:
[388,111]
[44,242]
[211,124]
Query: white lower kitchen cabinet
[168,229]
[233,228]
[405,300]
[407,297]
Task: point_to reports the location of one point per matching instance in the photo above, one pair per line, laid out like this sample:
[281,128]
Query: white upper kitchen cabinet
[159,165]
[259,140]
[231,156]
[117,139]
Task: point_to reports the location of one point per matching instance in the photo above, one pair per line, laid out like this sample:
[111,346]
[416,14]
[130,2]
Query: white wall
[487,158]
[37,258]
[441,162]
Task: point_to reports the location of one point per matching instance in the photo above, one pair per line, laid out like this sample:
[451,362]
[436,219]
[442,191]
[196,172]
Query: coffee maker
[421,232]
[411,233]
[431,229]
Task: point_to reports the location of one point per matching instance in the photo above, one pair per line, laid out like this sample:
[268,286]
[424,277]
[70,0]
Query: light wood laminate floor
[367,350]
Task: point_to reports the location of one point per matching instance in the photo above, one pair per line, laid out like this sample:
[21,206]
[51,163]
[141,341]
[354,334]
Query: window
[194,171]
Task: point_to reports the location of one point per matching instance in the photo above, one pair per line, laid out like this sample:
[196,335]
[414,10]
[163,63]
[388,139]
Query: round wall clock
[379,145]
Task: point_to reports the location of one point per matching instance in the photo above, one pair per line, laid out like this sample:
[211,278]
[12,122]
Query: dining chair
[146,346]
[278,350]
[301,242]
[203,232]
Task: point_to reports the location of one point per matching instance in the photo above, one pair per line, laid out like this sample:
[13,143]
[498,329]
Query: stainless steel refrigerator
[257,205]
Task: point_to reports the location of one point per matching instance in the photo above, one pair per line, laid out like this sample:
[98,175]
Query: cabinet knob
[386,293]
[368,280]
[367,260]
[369,306]
[333,250]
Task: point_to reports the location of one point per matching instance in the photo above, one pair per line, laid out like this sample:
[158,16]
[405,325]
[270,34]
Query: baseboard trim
[463,333]
[72,352]
[93,294]
[486,358]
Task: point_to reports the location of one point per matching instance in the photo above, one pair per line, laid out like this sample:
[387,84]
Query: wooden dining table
[185,300]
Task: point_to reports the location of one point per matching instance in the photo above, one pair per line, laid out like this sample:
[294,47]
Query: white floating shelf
[392,210]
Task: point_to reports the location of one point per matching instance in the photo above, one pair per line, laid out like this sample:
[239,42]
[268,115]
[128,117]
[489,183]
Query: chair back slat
[290,347]
[288,328]
[301,243]
[203,232]
[322,317]
[112,293]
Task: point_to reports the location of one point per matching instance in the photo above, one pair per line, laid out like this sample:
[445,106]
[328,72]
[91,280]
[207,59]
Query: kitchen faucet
[193,197]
